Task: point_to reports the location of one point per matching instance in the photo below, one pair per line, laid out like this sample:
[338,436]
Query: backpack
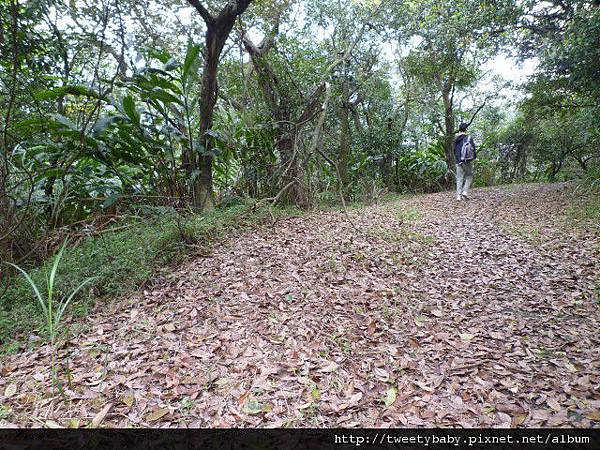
[467,152]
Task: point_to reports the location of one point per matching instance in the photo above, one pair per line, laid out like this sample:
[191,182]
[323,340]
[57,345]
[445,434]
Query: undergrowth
[586,204]
[139,249]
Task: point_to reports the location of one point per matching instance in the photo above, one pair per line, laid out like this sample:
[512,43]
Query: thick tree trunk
[202,187]
[198,164]
[292,172]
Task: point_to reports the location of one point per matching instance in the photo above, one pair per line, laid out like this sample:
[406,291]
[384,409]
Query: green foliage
[421,170]
[554,139]
[590,210]
[53,310]
[586,204]
[246,150]
[568,36]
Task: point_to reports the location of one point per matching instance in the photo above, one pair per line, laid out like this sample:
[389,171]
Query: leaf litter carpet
[438,313]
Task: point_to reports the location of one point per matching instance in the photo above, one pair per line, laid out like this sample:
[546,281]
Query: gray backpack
[467,152]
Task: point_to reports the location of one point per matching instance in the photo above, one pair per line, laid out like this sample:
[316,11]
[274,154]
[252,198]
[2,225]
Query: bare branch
[206,16]
[477,112]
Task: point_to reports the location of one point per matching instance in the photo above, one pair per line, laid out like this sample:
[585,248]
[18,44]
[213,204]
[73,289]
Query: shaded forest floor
[476,314]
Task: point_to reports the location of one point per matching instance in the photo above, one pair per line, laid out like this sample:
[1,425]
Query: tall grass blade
[63,305]
[35,289]
[53,273]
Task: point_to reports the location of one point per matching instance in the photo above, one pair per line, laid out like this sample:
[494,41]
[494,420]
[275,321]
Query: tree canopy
[193,103]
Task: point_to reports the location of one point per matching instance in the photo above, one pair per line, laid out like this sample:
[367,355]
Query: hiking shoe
[465,196]
[458,197]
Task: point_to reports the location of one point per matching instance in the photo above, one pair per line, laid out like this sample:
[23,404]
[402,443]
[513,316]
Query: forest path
[479,313]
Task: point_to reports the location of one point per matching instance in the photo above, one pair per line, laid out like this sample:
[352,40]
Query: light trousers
[464,177]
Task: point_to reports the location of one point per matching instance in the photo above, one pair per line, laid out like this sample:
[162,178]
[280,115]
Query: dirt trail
[480,313]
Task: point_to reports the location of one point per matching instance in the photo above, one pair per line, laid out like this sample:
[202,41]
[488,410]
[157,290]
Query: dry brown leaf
[497,335]
[128,400]
[424,386]
[593,415]
[382,374]
[242,398]
[355,399]
[10,390]
[157,414]
[509,408]
[421,321]
[330,367]
[52,424]
[372,327]
[518,419]
[99,418]
[553,403]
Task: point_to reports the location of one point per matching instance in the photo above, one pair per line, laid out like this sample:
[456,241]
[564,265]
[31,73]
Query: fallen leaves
[128,400]
[52,424]
[99,418]
[381,374]
[10,390]
[252,406]
[330,367]
[390,396]
[314,324]
[553,403]
[157,414]
[466,336]
[593,415]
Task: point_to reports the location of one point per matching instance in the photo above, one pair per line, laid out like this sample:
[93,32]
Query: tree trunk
[555,168]
[388,157]
[198,164]
[277,98]
[202,187]
[449,133]
[582,163]
[291,175]
[344,149]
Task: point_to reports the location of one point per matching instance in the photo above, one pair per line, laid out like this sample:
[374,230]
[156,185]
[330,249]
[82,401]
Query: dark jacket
[458,143]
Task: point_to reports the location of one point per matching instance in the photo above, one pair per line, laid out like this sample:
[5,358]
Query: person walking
[465,153]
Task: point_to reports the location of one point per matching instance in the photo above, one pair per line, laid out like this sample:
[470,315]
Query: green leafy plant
[52,309]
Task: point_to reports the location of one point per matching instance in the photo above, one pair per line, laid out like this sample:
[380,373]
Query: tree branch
[312,103]
[231,11]
[206,16]
[476,112]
